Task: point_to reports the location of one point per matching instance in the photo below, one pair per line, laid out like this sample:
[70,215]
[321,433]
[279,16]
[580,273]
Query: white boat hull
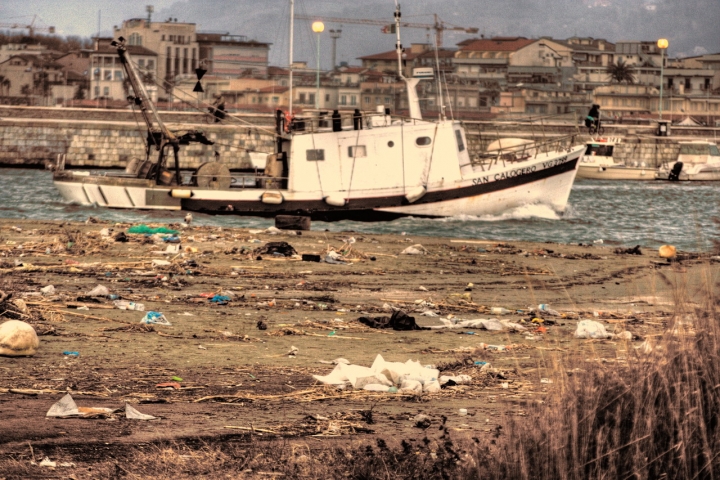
[547,180]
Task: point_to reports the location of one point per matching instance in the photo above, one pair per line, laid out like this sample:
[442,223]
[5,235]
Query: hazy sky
[690,25]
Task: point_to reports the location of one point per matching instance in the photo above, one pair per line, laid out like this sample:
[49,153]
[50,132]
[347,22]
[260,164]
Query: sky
[691,26]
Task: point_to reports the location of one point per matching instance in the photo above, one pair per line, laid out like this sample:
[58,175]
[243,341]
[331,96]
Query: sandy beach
[248,330]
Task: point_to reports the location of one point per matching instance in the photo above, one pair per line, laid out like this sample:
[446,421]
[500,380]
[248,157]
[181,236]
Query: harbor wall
[91,138]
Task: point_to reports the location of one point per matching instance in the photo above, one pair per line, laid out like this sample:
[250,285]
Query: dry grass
[655,416]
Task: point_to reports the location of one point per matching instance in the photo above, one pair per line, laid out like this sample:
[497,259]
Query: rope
[402,151]
[352,172]
[317,166]
[432,151]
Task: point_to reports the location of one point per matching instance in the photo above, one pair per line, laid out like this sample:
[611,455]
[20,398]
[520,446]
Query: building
[175,45]
[225,55]
[487,59]
[107,80]
[30,77]
[388,61]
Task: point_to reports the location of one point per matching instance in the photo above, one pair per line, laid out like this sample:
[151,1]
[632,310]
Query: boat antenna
[410,83]
[439,81]
[290,54]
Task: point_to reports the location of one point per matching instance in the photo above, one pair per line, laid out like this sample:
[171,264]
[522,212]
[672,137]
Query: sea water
[622,213]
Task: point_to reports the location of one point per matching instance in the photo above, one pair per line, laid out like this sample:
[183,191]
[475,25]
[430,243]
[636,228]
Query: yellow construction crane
[31,28]
[439,26]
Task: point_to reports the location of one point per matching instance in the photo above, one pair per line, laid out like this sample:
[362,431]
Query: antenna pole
[290,53]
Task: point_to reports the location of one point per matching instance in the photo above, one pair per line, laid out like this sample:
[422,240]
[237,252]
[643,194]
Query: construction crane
[439,26]
[31,28]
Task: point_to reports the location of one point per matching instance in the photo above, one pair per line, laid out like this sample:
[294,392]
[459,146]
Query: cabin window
[315,155]
[458,137]
[423,141]
[357,151]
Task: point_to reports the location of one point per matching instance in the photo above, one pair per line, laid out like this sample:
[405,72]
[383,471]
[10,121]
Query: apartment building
[175,44]
[225,55]
[107,77]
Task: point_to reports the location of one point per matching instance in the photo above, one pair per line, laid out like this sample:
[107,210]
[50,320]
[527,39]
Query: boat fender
[335,200]
[272,198]
[415,194]
[675,172]
[181,193]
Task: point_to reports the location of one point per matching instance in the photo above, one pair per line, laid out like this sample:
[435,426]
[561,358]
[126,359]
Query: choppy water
[649,214]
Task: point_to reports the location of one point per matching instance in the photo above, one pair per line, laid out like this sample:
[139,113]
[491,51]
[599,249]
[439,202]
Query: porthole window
[391,144]
[423,141]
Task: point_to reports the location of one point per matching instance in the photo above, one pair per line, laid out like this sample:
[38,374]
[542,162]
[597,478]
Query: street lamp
[662,45]
[318,28]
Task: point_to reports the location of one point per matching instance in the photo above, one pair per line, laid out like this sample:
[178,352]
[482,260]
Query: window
[108,62]
[108,75]
[141,63]
[311,98]
[353,100]
[423,141]
[97,91]
[302,98]
[343,100]
[276,99]
[150,64]
[315,155]
[106,91]
[367,100]
[357,151]
[459,139]
[118,75]
[327,97]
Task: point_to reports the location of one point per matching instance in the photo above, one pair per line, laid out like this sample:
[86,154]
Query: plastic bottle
[136,306]
[499,311]
[544,308]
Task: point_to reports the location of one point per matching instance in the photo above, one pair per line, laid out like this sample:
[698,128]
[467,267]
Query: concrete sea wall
[97,138]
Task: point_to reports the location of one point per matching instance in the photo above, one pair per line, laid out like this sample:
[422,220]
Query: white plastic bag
[591,329]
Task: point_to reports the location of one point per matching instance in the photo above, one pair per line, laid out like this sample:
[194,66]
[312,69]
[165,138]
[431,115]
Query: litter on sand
[67,408]
[382,376]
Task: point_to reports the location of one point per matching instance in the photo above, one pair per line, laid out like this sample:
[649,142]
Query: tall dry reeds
[657,415]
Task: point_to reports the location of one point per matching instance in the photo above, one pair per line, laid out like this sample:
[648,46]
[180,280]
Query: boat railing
[235,180]
[503,156]
[318,122]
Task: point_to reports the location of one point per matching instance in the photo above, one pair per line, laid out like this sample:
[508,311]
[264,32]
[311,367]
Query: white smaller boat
[698,160]
[598,163]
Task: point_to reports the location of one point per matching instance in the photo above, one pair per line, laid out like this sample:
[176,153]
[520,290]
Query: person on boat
[593,117]
[336,121]
[218,108]
[357,120]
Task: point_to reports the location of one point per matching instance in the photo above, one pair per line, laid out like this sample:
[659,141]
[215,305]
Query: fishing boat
[598,163]
[364,166]
[697,161]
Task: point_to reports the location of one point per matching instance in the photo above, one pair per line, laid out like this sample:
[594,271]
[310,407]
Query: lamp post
[318,28]
[662,45]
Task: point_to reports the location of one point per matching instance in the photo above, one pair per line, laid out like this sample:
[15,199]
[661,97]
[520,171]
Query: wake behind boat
[367,166]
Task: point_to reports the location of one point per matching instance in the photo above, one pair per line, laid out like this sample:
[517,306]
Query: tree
[621,72]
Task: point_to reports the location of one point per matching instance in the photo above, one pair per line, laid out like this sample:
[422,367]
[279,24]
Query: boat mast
[413,101]
[290,53]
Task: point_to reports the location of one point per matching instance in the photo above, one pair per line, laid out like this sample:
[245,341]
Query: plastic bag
[591,329]
[155,318]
